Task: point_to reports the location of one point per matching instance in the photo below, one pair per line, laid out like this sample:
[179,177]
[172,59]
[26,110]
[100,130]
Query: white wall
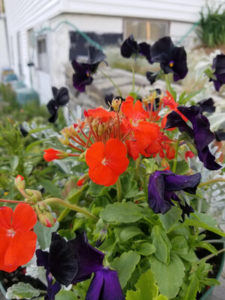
[4,57]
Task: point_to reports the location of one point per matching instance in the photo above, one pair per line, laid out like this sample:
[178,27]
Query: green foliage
[125,266]
[211,30]
[22,290]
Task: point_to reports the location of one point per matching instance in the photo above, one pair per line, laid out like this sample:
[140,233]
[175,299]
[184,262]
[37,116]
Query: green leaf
[179,245]
[125,266]
[168,276]
[161,297]
[14,162]
[126,233]
[207,246]
[126,212]
[181,168]
[50,187]
[170,219]
[161,243]
[145,249]
[65,295]
[197,220]
[22,290]
[44,234]
[146,288]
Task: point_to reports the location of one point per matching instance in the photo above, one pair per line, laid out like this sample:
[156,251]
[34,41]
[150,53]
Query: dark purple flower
[89,258]
[172,59]
[105,286]
[83,71]
[70,261]
[207,105]
[152,77]
[220,135]
[52,288]
[163,185]
[60,98]
[219,71]
[200,132]
[131,47]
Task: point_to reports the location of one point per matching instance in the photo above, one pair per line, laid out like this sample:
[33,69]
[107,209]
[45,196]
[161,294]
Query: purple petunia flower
[163,185]
[219,73]
[172,59]
[60,98]
[207,105]
[131,47]
[200,132]
[83,71]
[105,286]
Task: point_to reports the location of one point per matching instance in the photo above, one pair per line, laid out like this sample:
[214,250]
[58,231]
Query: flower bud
[44,215]
[20,182]
[34,196]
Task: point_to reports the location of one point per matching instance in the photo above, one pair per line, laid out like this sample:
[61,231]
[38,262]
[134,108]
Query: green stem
[119,190]
[133,76]
[113,82]
[211,256]
[175,159]
[74,207]
[222,241]
[63,214]
[211,181]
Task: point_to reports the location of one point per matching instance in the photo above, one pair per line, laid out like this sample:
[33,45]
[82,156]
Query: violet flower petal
[105,286]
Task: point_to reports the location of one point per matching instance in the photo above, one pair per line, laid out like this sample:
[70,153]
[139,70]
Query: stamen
[10,232]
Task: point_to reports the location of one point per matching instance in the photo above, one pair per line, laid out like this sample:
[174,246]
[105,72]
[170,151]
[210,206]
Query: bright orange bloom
[18,242]
[172,104]
[107,162]
[100,113]
[189,154]
[134,111]
[52,154]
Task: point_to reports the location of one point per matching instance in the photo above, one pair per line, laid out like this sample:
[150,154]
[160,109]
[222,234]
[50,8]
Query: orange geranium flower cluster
[108,138]
[18,241]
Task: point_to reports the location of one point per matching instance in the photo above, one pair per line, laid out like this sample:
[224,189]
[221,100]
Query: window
[145,30]
[42,55]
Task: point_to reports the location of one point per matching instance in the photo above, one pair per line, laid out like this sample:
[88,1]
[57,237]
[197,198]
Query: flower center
[104,161]
[171,63]
[10,232]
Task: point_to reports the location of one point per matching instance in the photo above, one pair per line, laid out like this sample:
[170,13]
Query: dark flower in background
[200,132]
[112,101]
[83,71]
[23,131]
[163,184]
[105,286]
[60,98]
[207,105]
[131,47]
[172,59]
[219,71]
[151,76]
[220,135]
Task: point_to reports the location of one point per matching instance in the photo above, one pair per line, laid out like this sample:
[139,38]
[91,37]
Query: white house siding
[101,16]
[4,57]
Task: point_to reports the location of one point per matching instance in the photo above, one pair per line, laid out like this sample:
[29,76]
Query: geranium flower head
[107,161]
[18,241]
[172,59]
[60,98]
[200,132]
[105,286]
[163,184]
[219,71]
[83,71]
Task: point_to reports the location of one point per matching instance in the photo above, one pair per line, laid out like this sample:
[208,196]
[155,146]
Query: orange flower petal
[116,156]
[103,175]
[132,149]
[95,154]
[146,133]
[6,214]
[21,248]
[24,217]
[4,244]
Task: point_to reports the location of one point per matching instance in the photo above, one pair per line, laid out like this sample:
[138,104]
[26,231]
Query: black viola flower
[70,261]
[172,59]
[131,47]
[83,71]
[163,185]
[219,71]
[200,132]
[60,98]
[207,105]
[151,76]
[105,286]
